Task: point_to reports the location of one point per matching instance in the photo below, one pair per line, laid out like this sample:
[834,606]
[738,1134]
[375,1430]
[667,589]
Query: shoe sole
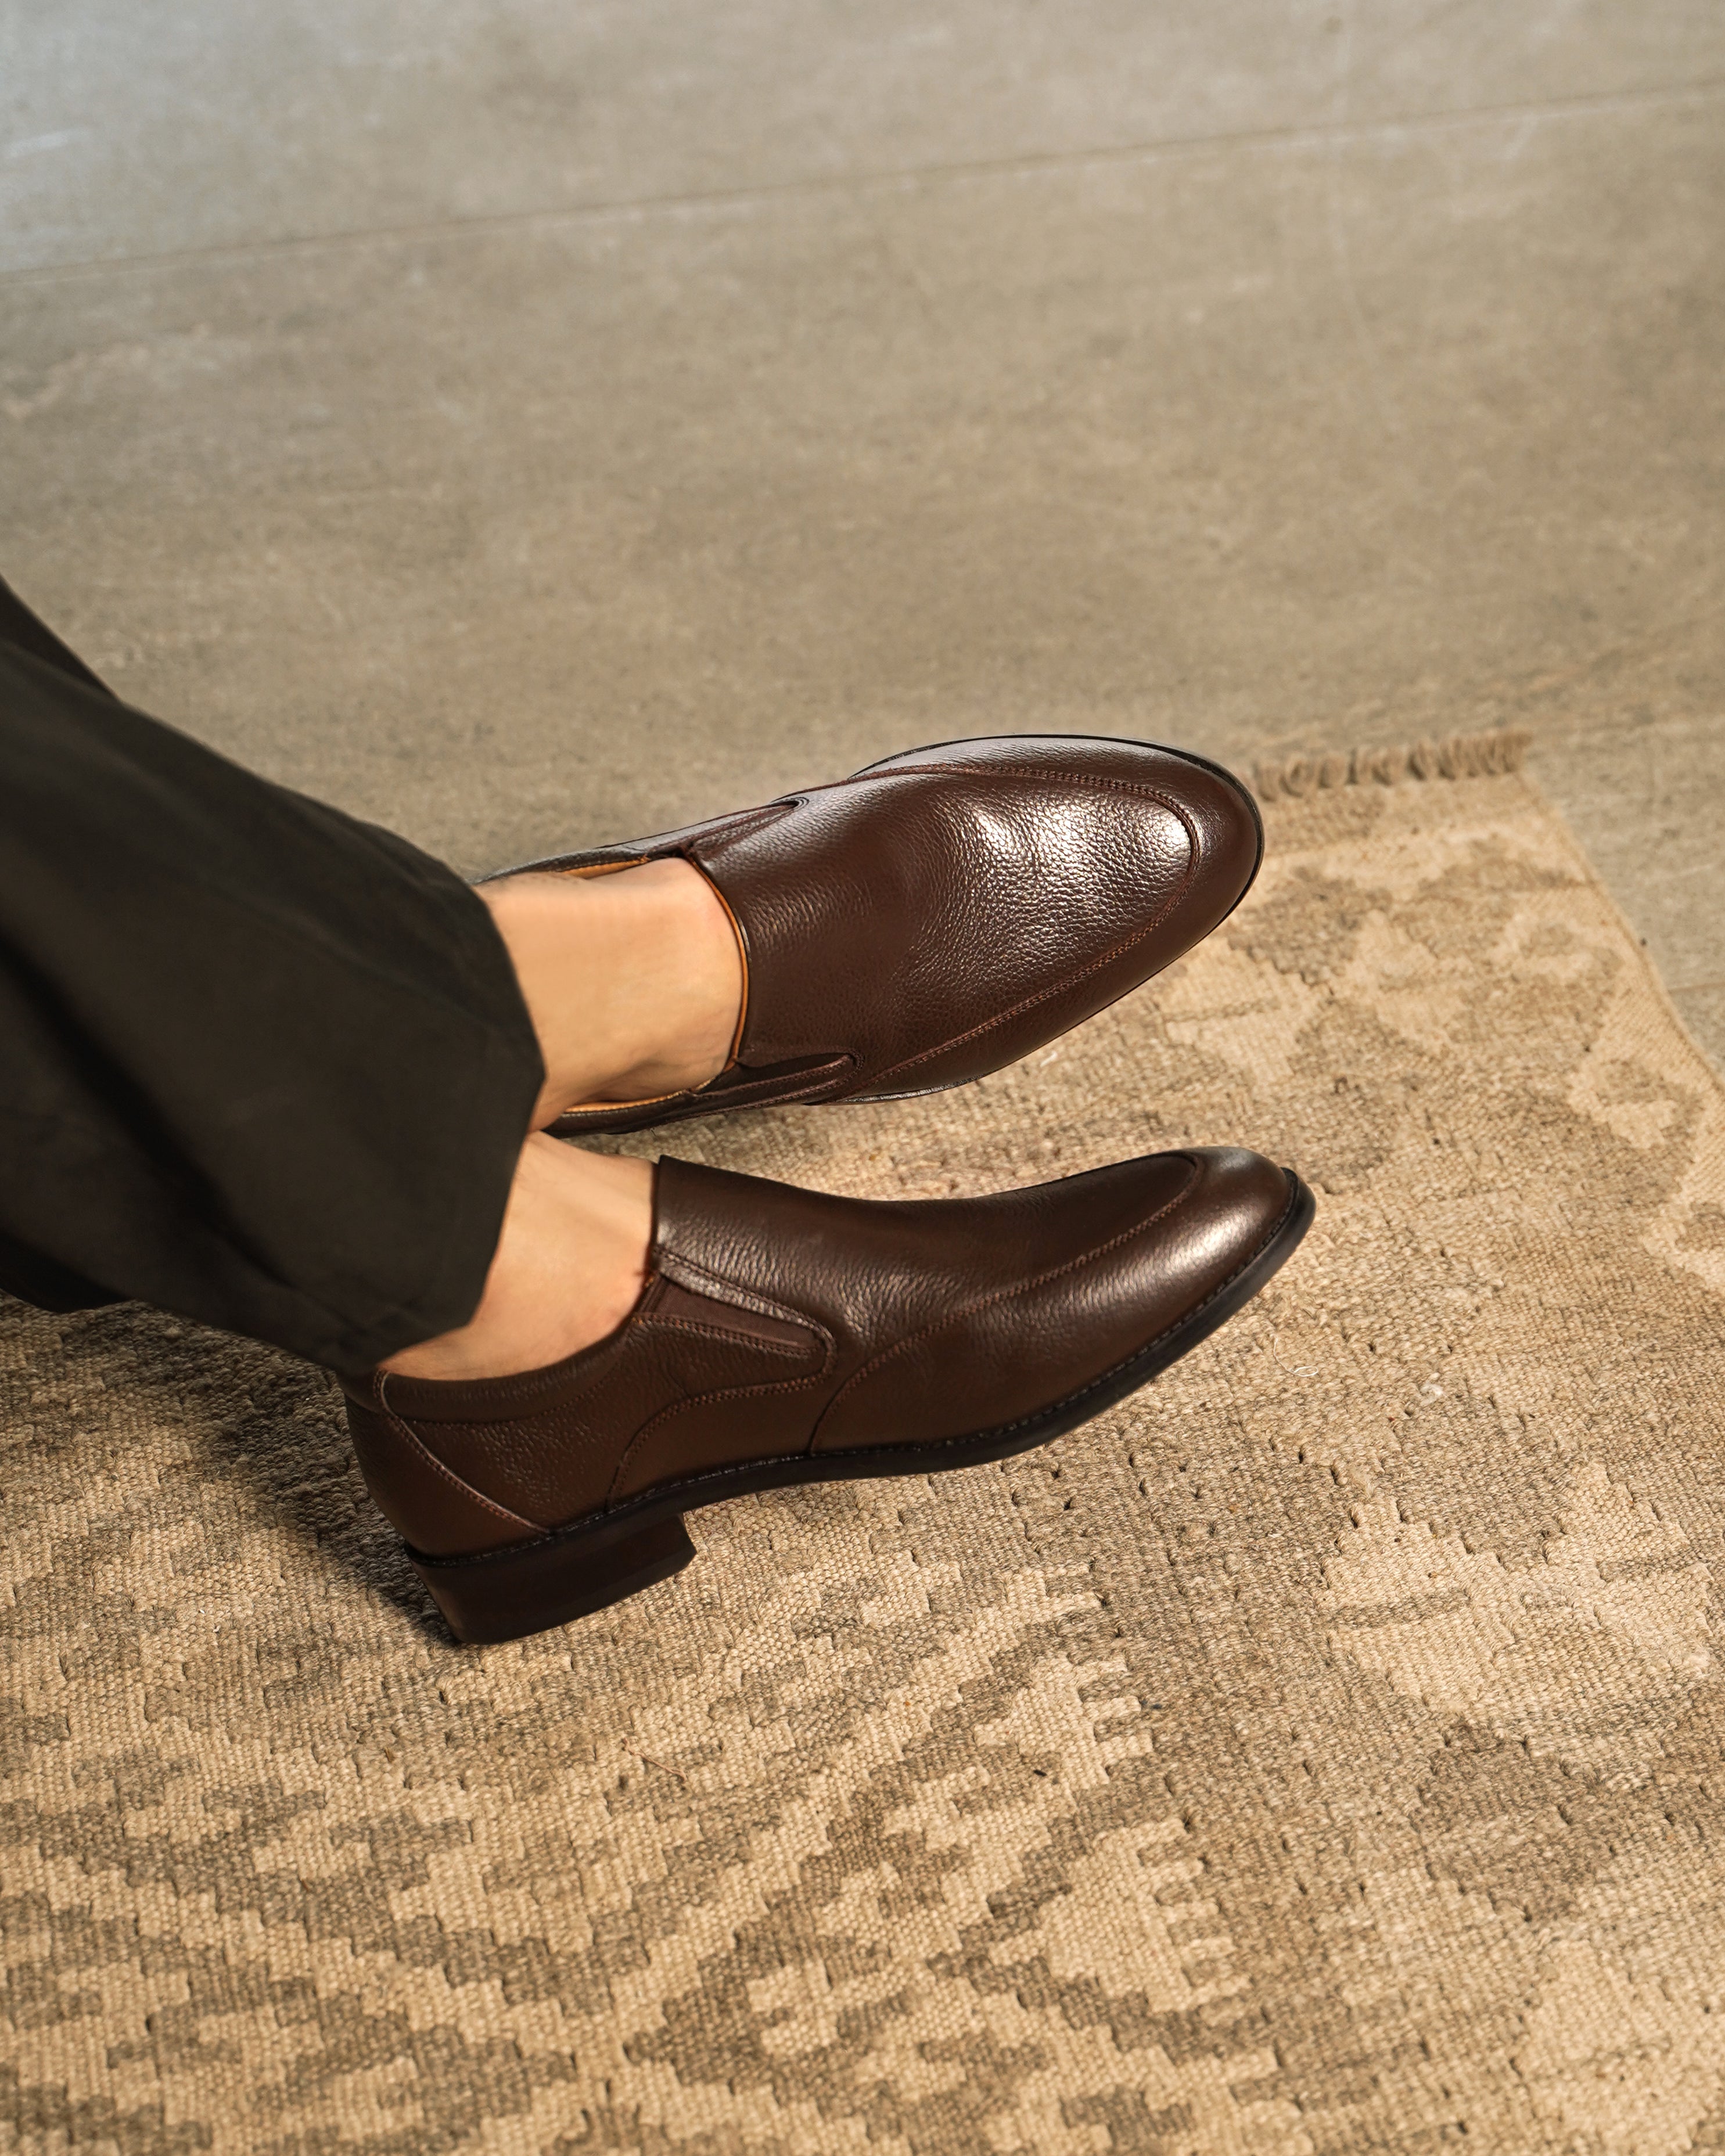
[533,1587]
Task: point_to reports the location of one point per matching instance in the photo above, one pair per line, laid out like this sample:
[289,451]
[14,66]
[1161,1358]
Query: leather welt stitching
[950,1318]
[1061,987]
[448,1474]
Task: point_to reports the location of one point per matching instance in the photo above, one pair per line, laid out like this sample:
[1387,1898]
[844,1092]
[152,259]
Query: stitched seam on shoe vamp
[448,1474]
[719,1333]
[752,1298]
[694,1483]
[1071,980]
[706,1400]
[998,771]
[949,1319]
[799,796]
[829,1347]
[992,772]
[1005,1429]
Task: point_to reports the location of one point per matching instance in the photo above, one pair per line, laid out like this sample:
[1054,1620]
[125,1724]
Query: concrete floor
[525,422]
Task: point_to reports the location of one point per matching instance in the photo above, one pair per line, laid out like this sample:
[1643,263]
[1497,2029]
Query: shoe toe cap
[1126,1257]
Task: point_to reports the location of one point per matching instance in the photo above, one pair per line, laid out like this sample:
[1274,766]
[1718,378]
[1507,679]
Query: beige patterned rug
[1324,1752]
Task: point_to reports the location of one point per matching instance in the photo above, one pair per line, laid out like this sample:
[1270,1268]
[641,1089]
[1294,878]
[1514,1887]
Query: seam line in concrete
[646,208]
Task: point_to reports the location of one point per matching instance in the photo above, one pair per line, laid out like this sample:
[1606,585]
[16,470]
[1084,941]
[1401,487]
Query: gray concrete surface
[525,422]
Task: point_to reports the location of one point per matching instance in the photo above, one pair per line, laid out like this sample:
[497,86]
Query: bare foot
[568,1267]
[634,980]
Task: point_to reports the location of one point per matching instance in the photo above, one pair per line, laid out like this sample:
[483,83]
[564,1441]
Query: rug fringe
[1460,756]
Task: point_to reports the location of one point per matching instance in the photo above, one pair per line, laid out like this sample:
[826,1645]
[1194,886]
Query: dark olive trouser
[260,1064]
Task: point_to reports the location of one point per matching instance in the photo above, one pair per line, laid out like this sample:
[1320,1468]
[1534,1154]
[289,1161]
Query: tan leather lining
[605,868]
[627,1107]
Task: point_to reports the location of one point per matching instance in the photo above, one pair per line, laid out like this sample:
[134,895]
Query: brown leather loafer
[786,1337]
[944,913]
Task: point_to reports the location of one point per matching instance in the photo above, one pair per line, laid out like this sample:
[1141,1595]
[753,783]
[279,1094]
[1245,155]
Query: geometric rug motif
[1324,1750]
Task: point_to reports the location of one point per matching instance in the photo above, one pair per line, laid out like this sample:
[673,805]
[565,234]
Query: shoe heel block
[533,1587]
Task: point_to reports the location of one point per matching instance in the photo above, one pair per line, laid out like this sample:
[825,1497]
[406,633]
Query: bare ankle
[569,1267]
[634,980]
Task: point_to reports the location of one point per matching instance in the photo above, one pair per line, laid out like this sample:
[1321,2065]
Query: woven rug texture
[1323,1752]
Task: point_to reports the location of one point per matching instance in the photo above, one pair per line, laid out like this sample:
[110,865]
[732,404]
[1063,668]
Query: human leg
[276,1070]
[571,1261]
[260,1064]
[634,980]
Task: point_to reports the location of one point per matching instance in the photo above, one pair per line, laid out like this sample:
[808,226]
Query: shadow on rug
[1322,1752]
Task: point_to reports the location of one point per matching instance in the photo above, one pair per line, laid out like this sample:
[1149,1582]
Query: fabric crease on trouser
[261,1065]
